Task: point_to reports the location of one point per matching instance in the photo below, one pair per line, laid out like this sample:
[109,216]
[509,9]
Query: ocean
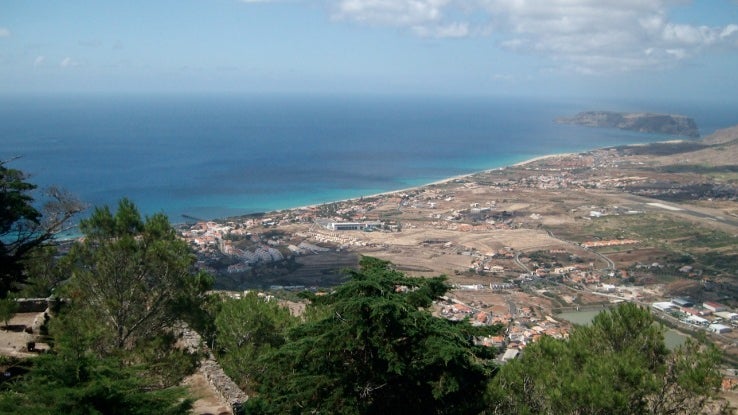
[217,156]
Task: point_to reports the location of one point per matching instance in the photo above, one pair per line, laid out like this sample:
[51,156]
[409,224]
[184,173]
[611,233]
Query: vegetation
[682,242]
[79,383]
[246,329]
[23,227]
[373,346]
[659,229]
[8,307]
[133,275]
[618,365]
[44,270]
[114,339]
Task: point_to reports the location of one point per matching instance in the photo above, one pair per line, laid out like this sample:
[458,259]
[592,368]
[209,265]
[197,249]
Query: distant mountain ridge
[645,122]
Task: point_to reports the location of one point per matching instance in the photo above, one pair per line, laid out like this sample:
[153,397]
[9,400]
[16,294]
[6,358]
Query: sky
[671,49]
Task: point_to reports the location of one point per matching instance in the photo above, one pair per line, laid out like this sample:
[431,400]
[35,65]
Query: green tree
[247,329]
[74,380]
[690,381]
[23,227]
[617,365]
[132,282]
[377,349]
[134,276]
[45,271]
[8,308]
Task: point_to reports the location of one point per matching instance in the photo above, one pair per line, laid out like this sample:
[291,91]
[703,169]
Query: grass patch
[683,242]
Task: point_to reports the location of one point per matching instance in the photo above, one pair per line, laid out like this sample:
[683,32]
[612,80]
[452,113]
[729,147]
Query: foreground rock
[644,122]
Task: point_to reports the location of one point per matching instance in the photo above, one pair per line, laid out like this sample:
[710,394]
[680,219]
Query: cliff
[678,125]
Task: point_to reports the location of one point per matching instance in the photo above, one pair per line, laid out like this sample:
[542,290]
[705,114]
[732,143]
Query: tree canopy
[71,383]
[114,339]
[134,275]
[246,329]
[376,348]
[617,365]
[25,227]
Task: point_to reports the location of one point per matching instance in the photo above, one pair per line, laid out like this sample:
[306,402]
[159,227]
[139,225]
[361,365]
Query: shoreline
[438,182]
[418,187]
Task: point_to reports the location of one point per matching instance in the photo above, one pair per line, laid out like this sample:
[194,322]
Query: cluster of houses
[522,328]
[248,258]
[713,316]
[208,234]
[213,238]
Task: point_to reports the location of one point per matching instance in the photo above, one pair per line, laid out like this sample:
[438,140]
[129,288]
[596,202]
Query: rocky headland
[645,122]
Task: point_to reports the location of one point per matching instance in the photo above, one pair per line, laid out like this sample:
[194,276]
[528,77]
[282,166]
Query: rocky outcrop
[645,122]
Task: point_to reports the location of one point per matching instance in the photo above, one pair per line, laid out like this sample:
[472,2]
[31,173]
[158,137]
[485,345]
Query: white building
[663,306]
[719,328]
[353,226]
[714,307]
[697,320]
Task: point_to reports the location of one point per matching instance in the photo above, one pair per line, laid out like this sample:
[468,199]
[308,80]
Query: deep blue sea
[218,156]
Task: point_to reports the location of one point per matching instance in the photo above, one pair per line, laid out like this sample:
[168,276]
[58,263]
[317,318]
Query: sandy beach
[437,182]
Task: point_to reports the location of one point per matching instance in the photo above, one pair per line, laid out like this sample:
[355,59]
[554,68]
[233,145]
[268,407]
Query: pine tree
[377,349]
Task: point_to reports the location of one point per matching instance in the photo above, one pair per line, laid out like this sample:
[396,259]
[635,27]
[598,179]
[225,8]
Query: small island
[644,122]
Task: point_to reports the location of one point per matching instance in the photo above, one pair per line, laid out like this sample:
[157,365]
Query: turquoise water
[216,156]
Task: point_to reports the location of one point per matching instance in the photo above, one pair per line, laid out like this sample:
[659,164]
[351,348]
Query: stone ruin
[209,367]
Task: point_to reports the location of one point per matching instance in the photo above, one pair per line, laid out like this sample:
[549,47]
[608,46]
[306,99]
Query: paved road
[520,264]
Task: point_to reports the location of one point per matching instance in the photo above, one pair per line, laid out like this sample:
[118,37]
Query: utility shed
[719,328]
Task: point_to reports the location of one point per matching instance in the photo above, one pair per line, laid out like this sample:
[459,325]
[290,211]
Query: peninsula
[644,122]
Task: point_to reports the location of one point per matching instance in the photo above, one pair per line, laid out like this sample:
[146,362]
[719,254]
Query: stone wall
[32,305]
[209,367]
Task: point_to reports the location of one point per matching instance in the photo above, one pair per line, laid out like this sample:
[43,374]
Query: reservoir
[672,338]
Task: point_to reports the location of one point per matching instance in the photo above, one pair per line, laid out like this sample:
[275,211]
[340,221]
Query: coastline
[452,178]
[421,186]
[288,165]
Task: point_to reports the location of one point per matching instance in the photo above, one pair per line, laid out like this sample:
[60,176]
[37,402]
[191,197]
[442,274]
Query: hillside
[644,122]
[718,150]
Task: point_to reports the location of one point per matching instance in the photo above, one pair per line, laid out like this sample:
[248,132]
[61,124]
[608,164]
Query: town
[524,246]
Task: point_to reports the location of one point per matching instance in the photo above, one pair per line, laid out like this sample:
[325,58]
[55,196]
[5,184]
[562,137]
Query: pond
[672,338]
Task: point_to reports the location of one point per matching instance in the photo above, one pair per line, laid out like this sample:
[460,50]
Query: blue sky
[571,48]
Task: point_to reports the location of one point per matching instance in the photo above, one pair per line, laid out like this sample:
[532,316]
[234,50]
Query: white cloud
[4,32]
[413,13]
[728,31]
[68,63]
[589,36]
[38,61]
